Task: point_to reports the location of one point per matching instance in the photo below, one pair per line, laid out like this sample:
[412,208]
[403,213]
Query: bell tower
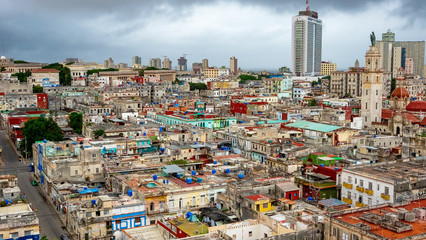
[371,101]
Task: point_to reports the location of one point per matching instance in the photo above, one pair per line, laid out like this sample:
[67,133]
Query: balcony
[369,191]
[347,185]
[358,204]
[385,196]
[359,189]
[347,200]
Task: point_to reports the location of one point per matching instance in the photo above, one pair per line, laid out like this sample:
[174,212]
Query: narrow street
[50,225]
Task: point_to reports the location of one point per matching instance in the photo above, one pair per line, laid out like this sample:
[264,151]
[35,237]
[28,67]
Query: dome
[416,106]
[400,92]
[2,57]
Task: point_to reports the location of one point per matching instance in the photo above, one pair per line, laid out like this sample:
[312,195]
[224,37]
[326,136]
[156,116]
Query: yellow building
[327,68]
[19,221]
[259,203]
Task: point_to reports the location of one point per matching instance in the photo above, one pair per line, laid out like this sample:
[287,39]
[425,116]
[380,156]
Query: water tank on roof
[93,202]
[130,192]
[214,162]
[240,176]
[194,173]
[199,180]
[214,171]
[154,177]
[188,180]
[322,164]
[227,171]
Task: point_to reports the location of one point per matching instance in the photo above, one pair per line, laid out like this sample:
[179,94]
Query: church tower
[371,102]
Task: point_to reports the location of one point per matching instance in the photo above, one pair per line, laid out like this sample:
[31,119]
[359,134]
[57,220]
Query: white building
[44,77]
[306,43]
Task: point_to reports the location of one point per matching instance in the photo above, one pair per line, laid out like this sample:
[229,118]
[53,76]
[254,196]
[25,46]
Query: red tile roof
[258,197]
[423,123]
[410,117]
[47,70]
[416,106]
[400,92]
[388,114]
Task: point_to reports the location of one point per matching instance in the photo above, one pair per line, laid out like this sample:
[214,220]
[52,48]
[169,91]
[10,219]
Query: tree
[197,86]
[98,133]
[37,89]
[244,78]
[313,102]
[76,122]
[22,76]
[89,72]
[2,69]
[177,81]
[64,73]
[152,68]
[20,61]
[37,130]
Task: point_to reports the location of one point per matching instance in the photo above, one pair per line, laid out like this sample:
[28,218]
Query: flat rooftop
[419,226]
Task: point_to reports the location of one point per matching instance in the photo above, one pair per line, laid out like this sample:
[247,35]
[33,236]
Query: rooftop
[320,127]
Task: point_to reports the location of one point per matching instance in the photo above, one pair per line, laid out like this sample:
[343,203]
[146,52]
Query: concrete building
[155,62]
[409,66]
[14,86]
[306,43]
[44,78]
[233,66]
[136,62]
[205,63]
[167,63]
[18,221]
[109,63]
[391,59]
[197,67]
[371,101]
[388,182]
[216,72]
[327,68]
[182,64]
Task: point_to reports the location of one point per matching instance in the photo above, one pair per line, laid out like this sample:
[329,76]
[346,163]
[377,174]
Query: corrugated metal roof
[320,127]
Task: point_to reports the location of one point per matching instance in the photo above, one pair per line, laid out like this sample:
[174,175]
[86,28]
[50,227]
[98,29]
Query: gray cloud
[51,30]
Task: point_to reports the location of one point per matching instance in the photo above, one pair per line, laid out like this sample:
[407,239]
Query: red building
[42,101]
[248,108]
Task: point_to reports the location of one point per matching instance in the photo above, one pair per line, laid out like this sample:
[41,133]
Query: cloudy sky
[257,32]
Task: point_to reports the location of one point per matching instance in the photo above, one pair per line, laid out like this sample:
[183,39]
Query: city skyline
[170,29]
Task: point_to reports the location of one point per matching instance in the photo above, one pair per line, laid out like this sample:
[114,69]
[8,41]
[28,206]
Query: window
[378,187]
[14,235]
[26,233]
[97,170]
[138,220]
[370,186]
[387,190]
[94,155]
[265,205]
[349,180]
[98,213]
[349,195]
[334,231]
[345,236]
[89,214]
[76,172]
[106,212]
[361,183]
[118,222]
[360,199]
[370,202]
[250,234]
[1,236]
[356,180]
[355,237]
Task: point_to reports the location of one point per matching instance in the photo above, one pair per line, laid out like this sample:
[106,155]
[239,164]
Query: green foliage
[76,122]
[20,61]
[37,89]
[153,138]
[347,95]
[393,85]
[44,238]
[64,73]
[178,162]
[141,72]
[2,68]
[313,102]
[197,86]
[100,70]
[244,78]
[22,76]
[259,77]
[98,133]
[177,81]
[152,68]
[37,130]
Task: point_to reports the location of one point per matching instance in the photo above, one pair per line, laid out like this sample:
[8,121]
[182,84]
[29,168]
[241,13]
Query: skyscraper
[306,43]
[136,62]
[182,64]
[155,62]
[205,63]
[167,63]
[234,66]
[394,54]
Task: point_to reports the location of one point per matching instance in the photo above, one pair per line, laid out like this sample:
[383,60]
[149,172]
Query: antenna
[307,6]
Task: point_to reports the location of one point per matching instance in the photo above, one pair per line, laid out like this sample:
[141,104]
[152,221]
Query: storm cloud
[258,33]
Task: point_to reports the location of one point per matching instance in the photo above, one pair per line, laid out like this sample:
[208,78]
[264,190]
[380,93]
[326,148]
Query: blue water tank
[167,181]
[161,129]
[93,202]
[214,171]
[188,180]
[214,162]
[85,188]
[74,143]
[44,140]
[188,214]
[322,164]
[154,177]
[194,173]
[310,198]
[199,180]
[130,192]
[336,168]
[227,171]
[240,176]
[226,163]
[144,134]
[179,175]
